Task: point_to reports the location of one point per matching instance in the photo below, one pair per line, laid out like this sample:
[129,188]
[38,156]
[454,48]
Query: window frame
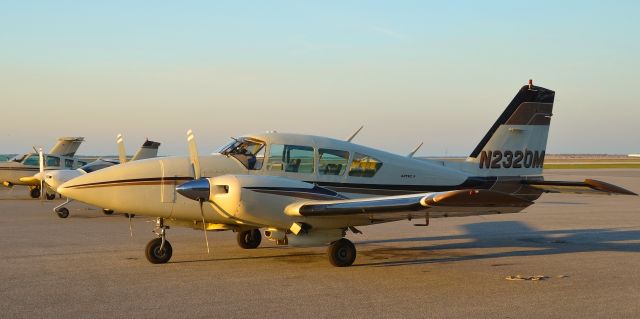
[285,149]
[343,170]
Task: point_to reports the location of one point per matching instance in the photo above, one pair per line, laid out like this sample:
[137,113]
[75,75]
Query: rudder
[517,141]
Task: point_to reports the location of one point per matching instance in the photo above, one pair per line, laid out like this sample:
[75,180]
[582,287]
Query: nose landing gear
[158,250]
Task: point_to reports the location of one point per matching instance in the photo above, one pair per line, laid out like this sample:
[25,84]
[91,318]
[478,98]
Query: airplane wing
[588,186]
[440,204]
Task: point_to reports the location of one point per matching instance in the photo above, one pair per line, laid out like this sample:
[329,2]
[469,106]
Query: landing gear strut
[62,211]
[249,239]
[159,250]
[342,253]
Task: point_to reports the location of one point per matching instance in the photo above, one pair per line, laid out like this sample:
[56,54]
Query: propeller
[121,152]
[195,165]
[41,162]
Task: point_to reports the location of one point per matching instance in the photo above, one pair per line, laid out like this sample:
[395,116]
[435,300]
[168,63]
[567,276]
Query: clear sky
[410,71]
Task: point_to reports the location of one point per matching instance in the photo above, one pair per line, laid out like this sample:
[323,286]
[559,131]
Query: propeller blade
[121,152]
[193,154]
[204,225]
[41,162]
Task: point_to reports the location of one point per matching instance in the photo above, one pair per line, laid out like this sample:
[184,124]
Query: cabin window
[364,166]
[33,160]
[53,161]
[68,163]
[332,162]
[290,158]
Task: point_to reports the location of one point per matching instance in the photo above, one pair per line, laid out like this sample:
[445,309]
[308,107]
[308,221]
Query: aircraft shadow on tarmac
[517,238]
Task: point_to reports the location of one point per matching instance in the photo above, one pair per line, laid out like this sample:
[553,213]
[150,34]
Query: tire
[62,212]
[107,211]
[127,215]
[153,253]
[342,253]
[34,193]
[249,239]
[51,196]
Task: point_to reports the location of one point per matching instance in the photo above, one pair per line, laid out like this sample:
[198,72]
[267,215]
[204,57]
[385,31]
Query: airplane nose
[196,189]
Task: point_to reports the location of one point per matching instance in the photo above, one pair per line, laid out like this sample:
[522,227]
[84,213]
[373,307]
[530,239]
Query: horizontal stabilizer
[589,186]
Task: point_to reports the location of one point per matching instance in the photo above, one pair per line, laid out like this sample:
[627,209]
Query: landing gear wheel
[62,212]
[155,255]
[249,239]
[34,193]
[107,211]
[342,253]
[127,215]
[51,196]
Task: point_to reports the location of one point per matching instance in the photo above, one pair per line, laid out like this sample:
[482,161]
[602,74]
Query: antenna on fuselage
[415,150]
[355,133]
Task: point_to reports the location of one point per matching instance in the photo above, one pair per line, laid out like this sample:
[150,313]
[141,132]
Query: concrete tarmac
[89,266]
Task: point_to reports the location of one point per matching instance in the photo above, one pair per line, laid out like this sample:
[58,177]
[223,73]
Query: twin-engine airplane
[20,169]
[309,190]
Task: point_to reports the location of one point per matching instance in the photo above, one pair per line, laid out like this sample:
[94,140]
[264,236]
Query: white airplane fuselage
[148,187]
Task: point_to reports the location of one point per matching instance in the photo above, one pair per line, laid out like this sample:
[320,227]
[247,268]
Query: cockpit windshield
[249,152]
[96,165]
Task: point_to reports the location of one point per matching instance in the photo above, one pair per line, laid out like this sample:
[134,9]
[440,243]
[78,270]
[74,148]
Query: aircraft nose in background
[56,178]
[196,189]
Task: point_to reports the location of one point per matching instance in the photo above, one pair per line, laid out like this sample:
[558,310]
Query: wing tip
[609,188]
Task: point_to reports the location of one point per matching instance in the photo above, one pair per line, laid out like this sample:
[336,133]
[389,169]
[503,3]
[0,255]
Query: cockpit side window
[364,166]
[290,158]
[53,161]
[68,163]
[332,162]
[32,160]
[248,151]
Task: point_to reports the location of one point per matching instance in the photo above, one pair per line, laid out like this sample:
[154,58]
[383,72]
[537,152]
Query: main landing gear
[249,239]
[35,192]
[342,253]
[159,250]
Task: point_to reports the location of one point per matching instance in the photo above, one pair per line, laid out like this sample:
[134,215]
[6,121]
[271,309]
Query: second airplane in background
[55,178]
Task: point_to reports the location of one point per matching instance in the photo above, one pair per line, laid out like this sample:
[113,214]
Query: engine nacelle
[262,199]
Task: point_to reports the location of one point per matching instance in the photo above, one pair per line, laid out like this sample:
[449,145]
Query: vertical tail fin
[66,146]
[149,149]
[517,141]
